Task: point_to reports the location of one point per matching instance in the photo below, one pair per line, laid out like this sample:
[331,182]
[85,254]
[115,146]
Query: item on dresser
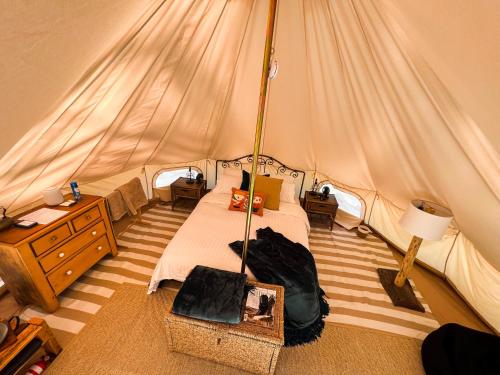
[246,346]
[5,222]
[180,189]
[52,196]
[313,204]
[75,190]
[199,178]
[25,224]
[39,263]
[44,215]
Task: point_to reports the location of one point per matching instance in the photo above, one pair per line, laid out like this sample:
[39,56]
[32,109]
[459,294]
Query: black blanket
[274,259]
[211,294]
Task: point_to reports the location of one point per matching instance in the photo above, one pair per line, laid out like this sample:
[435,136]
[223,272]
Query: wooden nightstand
[314,205]
[181,189]
[37,329]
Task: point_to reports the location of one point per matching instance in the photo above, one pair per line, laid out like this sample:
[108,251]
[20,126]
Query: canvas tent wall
[364,96]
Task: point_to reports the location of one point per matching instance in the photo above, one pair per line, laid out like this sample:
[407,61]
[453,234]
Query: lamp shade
[426,220]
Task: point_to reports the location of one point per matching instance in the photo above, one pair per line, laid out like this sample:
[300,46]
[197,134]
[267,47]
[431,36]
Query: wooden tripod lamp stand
[425,221]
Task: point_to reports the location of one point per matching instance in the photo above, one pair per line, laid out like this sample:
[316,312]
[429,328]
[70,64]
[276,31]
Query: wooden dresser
[37,264]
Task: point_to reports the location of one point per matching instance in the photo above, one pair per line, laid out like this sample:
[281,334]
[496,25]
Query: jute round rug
[128,336]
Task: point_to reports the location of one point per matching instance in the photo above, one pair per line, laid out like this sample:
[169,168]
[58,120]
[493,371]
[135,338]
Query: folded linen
[133,195]
[211,294]
[117,205]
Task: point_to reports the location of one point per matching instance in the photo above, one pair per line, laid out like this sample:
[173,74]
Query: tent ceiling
[175,81]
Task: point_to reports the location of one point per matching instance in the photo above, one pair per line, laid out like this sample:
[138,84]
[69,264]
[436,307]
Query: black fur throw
[211,294]
[274,259]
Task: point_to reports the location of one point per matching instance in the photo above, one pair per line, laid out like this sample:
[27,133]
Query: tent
[391,100]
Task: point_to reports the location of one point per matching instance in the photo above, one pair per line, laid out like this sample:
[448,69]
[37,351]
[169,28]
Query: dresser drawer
[86,218]
[68,272]
[63,253]
[187,193]
[321,207]
[51,239]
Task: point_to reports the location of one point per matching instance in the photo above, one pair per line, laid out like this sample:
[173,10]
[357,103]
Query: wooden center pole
[260,120]
[408,260]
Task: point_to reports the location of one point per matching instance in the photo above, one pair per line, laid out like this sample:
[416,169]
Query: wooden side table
[181,189]
[37,329]
[314,205]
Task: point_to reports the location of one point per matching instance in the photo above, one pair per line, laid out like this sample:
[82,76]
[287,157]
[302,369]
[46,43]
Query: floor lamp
[425,221]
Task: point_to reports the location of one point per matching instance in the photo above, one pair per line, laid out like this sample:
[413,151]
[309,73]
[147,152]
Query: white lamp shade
[427,225]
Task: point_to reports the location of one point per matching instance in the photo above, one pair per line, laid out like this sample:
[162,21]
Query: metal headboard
[263,161]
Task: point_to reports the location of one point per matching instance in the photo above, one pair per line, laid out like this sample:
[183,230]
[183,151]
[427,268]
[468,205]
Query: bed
[204,237]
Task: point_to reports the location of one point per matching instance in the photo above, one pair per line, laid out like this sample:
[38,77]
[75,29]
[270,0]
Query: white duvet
[204,237]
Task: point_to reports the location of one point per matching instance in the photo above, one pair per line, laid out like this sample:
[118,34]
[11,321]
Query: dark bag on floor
[456,350]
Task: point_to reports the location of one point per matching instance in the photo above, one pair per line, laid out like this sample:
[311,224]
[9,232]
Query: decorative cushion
[271,187]
[245,182]
[239,201]
[225,184]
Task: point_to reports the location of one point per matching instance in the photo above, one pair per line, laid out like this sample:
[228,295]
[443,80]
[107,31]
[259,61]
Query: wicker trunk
[245,346]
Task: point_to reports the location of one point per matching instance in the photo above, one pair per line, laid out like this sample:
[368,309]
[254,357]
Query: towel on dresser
[133,195]
[117,206]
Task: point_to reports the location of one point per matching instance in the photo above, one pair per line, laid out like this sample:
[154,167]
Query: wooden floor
[446,305]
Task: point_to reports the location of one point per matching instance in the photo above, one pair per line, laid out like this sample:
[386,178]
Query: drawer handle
[218,340]
[60,255]
[53,238]
[69,272]
[99,248]
[88,217]
[94,232]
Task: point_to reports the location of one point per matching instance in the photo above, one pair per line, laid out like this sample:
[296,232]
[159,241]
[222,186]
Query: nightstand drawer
[66,251]
[186,193]
[67,273]
[86,218]
[321,207]
[51,239]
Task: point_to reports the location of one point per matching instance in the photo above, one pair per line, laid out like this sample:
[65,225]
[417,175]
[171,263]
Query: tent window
[167,177]
[347,202]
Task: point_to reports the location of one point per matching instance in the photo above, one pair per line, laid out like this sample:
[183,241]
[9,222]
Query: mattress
[204,237]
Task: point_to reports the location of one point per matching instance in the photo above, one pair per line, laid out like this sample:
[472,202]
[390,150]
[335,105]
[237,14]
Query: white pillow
[285,178]
[287,192]
[232,172]
[226,182]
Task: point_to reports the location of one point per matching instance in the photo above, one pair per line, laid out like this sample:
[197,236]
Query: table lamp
[425,221]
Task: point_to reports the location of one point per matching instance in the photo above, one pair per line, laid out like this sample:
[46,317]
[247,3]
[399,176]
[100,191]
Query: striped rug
[346,265]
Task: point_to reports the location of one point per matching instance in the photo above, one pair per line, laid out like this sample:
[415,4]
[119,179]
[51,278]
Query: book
[259,307]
